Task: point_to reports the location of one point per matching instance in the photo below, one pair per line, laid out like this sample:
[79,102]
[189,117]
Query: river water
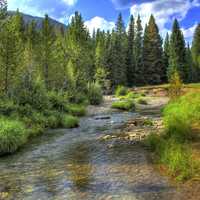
[74,164]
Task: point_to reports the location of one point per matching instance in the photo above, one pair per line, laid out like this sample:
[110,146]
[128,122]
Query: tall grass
[173,148]
[12,135]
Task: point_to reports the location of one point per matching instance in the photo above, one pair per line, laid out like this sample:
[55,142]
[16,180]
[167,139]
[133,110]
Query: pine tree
[152,54]
[166,54]
[47,45]
[119,53]
[3,9]
[177,53]
[138,52]
[196,53]
[189,63]
[130,53]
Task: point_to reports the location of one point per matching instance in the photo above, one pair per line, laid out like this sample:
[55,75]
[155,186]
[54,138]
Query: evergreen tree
[152,54]
[166,54]
[177,53]
[130,53]
[196,53]
[47,45]
[138,52]
[189,63]
[119,53]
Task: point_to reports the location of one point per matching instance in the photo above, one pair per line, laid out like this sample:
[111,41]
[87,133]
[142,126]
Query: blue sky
[103,13]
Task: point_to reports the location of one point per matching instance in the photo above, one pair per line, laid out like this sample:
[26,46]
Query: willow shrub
[69,121]
[13,134]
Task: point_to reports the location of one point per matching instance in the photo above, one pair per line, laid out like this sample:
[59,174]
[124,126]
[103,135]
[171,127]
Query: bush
[7,107]
[127,105]
[121,91]
[76,110]
[94,93]
[12,135]
[57,101]
[69,121]
[30,91]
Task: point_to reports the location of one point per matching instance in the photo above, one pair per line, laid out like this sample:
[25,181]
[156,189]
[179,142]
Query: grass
[121,91]
[127,105]
[69,121]
[13,134]
[76,110]
[172,149]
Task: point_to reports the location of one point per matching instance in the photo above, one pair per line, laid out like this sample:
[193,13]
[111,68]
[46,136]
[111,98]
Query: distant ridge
[28,18]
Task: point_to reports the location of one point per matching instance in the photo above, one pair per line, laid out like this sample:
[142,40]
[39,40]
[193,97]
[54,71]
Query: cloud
[122,4]
[57,9]
[99,23]
[164,11]
[188,33]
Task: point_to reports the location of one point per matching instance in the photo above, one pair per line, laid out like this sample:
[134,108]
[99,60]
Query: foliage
[180,115]
[76,110]
[175,87]
[121,91]
[12,135]
[127,105]
[69,121]
[94,93]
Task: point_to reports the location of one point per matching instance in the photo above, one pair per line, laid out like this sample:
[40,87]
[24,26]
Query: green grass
[121,91]
[76,110]
[69,121]
[180,115]
[172,149]
[127,105]
[13,134]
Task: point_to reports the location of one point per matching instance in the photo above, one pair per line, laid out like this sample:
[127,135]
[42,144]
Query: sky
[103,13]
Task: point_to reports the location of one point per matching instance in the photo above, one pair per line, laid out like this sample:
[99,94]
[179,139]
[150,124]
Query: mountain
[28,18]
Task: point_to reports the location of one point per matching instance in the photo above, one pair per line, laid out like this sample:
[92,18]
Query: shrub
[94,93]
[152,141]
[57,101]
[31,91]
[69,121]
[121,91]
[76,110]
[12,135]
[7,107]
[127,105]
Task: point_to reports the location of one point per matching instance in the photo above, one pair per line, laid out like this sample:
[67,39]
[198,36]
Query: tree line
[69,58]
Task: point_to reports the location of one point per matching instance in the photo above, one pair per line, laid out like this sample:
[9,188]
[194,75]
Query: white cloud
[188,33]
[99,23]
[70,2]
[164,11]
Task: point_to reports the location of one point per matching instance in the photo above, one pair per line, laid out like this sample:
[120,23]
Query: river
[74,164]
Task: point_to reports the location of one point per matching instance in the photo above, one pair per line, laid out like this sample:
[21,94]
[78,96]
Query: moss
[13,134]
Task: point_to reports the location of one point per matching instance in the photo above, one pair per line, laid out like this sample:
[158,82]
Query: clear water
[76,165]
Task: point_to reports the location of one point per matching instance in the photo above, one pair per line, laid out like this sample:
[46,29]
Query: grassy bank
[31,112]
[173,149]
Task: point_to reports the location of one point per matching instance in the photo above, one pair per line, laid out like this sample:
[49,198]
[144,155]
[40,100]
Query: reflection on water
[75,165]
[79,166]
